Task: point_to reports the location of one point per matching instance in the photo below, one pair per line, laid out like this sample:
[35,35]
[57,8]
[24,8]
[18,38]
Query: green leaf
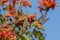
[28,32]
[38,34]
[12,26]
[26,16]
[1,3]
[7,38]
[2,20]
[1,15]
[25,36]
[32,25]
[20,37]
[3,29]
[5,8]
[1,23]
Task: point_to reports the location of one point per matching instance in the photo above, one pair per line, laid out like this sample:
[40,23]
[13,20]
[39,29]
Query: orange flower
[47,4]
[14,2]
[7,32]
[15,14]
[11,15]
[26,3]
[30,18]
[7,15]
[11,8]
[4,1]
[38,25]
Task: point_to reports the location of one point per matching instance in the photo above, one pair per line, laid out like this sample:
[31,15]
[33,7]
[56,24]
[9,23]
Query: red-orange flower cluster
[11,8]
[47,4]
[6,32]
[30,18]
[26,3]
[3,1]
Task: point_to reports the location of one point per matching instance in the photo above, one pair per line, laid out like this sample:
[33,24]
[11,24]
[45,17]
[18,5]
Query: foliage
[15,25]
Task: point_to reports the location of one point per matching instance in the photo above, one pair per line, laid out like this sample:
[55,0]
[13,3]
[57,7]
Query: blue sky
[53,25]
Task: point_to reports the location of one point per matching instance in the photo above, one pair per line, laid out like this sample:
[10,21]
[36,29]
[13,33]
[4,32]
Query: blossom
[43,4]
[26,3]
[6,32]
[30,18]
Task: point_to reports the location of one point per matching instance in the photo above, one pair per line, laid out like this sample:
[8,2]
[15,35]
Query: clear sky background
[52,26]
